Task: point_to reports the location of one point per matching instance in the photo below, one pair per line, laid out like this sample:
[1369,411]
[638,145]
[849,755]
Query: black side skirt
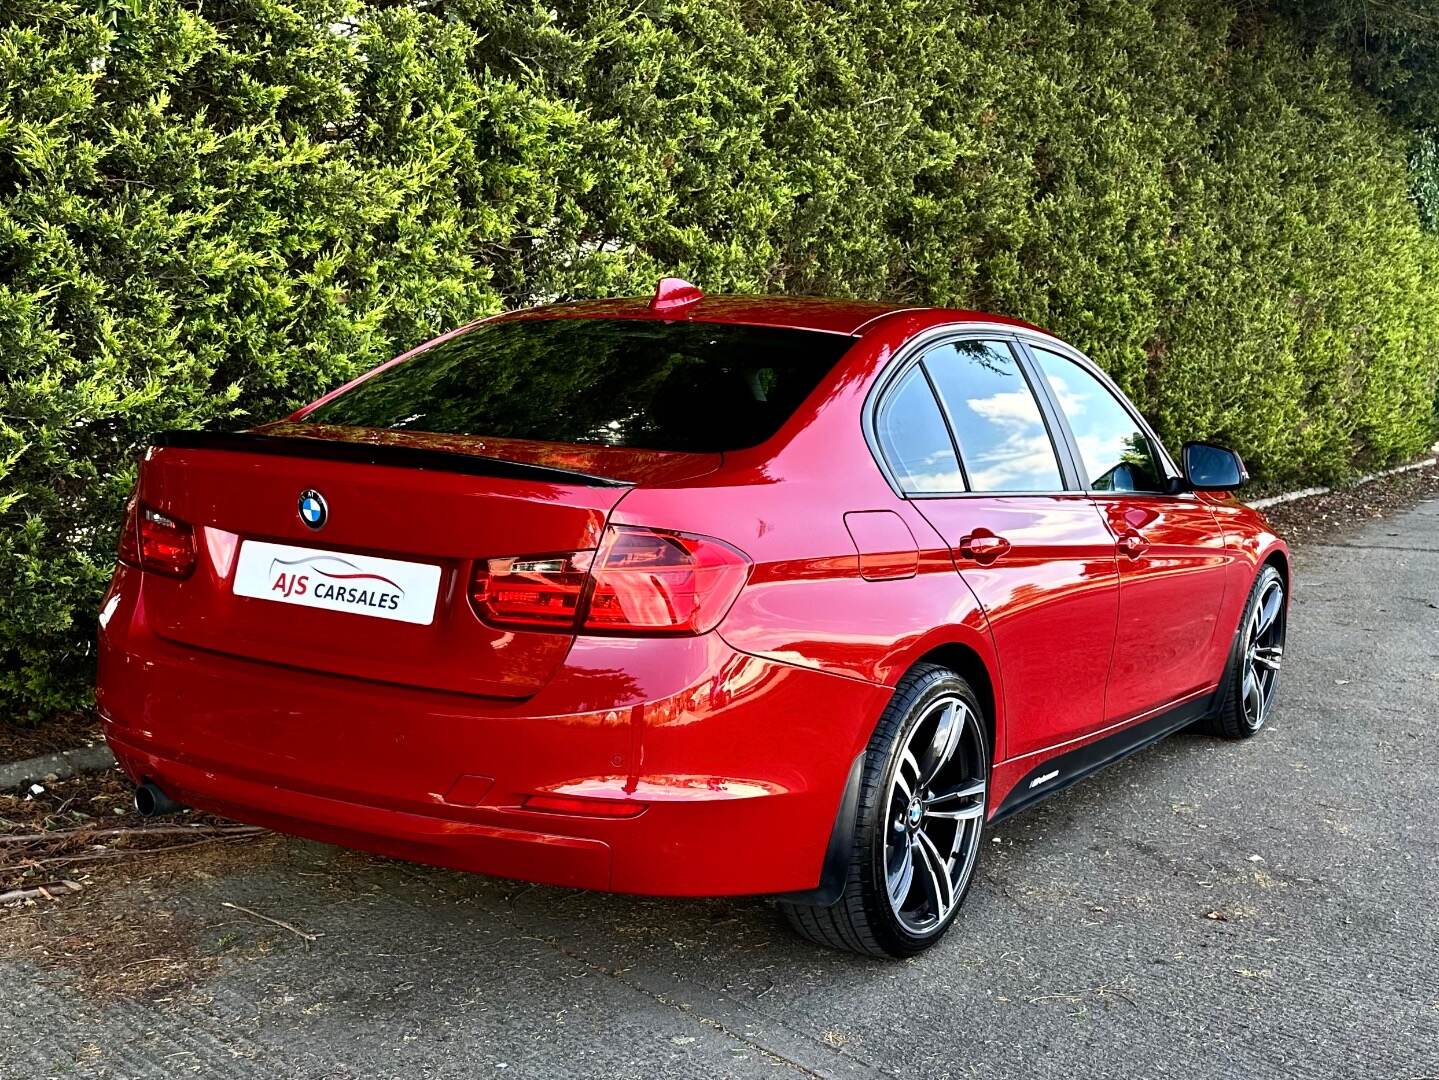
[1088,760]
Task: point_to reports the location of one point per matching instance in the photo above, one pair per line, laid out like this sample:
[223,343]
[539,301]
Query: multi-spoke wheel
[936,811]
[1247,696]
[921,815]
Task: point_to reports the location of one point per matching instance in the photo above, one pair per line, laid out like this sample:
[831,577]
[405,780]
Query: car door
[1172,559]
[1035,552]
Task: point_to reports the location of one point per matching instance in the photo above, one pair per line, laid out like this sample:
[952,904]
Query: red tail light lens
[641,581]
[129,552]
[156,542]
[536,592]
[652,582]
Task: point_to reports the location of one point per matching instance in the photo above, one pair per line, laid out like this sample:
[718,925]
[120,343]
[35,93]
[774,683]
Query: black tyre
[919,824]
[1251,681]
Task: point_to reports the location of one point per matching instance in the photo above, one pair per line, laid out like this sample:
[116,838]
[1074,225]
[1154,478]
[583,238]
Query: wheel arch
[1275,555]
[966,662]
[1278,558]
[948,648]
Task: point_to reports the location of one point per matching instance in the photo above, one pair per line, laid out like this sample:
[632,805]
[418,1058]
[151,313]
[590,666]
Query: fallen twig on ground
[278,922]
[115,853]
[53,835]
[1075,996]
[50,890]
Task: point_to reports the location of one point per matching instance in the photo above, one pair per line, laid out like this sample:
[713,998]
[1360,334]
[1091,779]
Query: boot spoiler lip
[375,453]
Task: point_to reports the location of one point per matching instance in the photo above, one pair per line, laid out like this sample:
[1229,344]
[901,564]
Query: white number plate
[338,581]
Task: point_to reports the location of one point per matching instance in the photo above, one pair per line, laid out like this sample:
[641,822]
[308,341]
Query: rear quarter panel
[808,602]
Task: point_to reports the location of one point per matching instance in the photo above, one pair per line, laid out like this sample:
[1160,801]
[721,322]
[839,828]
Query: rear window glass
[690,386]
[915,441]
[1003,440]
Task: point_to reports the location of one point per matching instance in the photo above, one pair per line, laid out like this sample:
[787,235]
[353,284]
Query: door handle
[1133,545]
[982,546]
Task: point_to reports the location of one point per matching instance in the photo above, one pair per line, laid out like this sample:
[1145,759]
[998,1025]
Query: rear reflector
[641,581]
[156,542]
[582,805]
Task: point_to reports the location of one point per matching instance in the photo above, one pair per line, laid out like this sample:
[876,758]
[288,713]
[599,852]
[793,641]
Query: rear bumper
[534,855]
[735,765]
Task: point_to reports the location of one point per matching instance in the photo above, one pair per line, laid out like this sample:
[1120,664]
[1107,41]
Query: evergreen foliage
[1392,44]
[209,213]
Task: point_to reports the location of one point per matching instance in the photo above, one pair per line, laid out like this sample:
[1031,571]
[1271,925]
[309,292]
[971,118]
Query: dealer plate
[338,581]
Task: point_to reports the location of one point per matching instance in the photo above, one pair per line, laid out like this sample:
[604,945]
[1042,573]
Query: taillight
[129,552]
[652,582]
[640,581]
[156,542]
[537,591]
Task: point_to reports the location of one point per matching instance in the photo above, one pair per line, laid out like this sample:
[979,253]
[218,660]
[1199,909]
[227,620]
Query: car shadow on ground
[733,945]
[284,895]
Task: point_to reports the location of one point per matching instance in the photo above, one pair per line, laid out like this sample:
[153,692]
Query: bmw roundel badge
[313,511]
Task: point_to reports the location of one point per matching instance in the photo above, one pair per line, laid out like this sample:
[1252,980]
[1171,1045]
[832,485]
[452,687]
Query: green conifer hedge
[209,213]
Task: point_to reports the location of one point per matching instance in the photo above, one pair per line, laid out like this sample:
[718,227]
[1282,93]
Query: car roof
[826,315]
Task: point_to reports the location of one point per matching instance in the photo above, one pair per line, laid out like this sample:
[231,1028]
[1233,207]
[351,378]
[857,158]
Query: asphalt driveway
[1204,909]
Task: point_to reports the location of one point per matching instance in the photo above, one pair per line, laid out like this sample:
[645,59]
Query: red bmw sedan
[688,596]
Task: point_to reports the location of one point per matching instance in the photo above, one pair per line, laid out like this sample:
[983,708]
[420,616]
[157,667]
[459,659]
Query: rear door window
[690,386]
[914,439]
[1003,440]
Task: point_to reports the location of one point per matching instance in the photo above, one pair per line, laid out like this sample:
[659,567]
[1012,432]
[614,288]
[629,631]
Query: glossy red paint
[886,548]
[672,294]
[1173,568]
[1079,613]
[684,728]
[1052,600]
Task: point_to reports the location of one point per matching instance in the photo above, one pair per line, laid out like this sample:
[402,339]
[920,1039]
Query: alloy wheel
[1263,653]
[935,815]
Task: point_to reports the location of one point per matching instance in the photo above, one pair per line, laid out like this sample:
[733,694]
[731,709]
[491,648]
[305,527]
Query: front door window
[1115,452]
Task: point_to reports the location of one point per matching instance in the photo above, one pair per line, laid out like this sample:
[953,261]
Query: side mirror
[1213,468]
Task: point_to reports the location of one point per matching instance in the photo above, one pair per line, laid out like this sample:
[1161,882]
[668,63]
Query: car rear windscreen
[690,386]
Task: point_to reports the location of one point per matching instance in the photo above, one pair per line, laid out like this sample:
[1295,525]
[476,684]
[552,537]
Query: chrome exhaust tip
[151,801]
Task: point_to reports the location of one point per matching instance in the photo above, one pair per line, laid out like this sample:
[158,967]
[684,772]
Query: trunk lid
[404,514]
